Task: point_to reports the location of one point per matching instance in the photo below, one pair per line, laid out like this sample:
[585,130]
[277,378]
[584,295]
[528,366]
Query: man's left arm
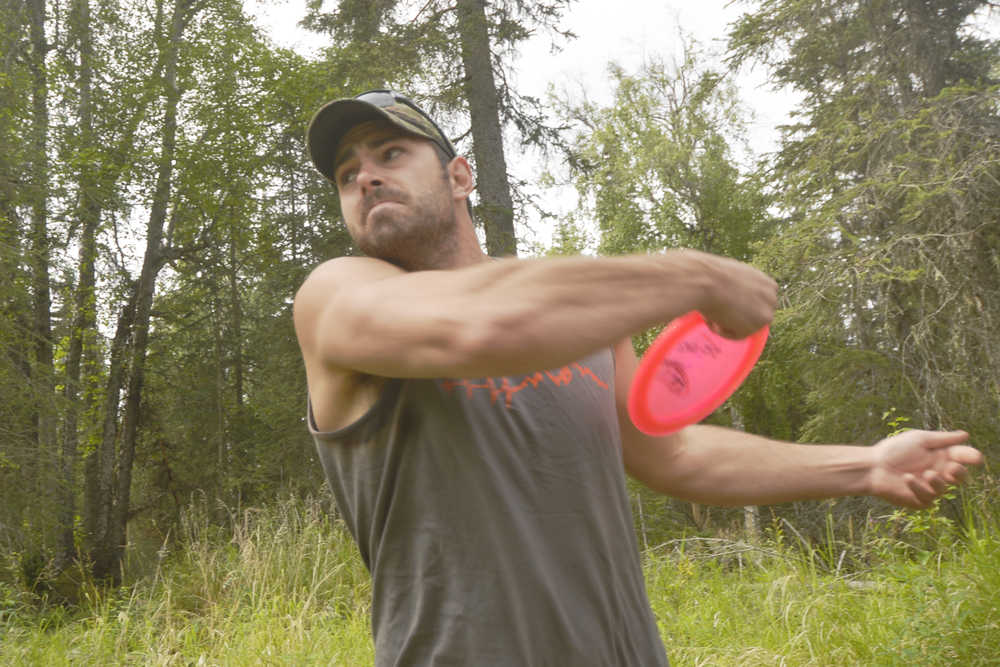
[719,466]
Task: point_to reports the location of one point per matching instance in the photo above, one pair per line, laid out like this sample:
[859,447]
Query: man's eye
[347,176]
[393,152]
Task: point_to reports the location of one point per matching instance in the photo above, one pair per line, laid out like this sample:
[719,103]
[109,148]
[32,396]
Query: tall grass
[284,585]
[278,586]
[916,589]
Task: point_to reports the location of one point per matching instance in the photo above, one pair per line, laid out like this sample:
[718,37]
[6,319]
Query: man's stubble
[415,233]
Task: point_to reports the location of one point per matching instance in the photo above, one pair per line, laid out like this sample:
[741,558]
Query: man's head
[399,180]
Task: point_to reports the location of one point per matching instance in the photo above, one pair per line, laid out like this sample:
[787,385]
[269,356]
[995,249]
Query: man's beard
[415,233]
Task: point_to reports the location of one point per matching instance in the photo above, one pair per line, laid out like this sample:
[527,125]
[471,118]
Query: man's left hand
[913,468]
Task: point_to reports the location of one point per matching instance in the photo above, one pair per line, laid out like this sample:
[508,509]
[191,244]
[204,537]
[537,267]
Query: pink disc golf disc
[688,372]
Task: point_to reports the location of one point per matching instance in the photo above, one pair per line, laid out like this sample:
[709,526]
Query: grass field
[284,586]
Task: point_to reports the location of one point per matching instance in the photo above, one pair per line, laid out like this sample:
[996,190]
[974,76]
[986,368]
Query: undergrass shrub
[12,606]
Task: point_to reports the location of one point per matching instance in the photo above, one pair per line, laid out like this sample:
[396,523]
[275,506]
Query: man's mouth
[371,209]
[371,206]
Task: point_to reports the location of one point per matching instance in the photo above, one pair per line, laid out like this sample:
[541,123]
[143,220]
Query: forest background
[158,212]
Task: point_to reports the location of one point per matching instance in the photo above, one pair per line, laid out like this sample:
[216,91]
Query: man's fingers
[954,473]
[956,451]
[961,472]
[937,460]
[965,455]
[940,439]
[937,481]
[923,492]
[719,330]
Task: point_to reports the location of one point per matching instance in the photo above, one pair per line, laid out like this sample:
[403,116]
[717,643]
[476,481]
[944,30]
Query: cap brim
[329,125]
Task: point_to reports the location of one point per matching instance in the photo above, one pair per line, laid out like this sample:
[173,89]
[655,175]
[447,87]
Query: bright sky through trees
[626,32]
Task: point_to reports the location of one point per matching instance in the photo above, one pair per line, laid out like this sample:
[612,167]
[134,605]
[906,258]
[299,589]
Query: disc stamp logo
[673,376]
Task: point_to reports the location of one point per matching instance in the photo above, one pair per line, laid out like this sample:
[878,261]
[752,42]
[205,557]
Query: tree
[656,169]
[42,368]
[19,452]
[225,368]
[108,556]
[228,136]
[495,205]
[83,330]
[889,253]
[169,217]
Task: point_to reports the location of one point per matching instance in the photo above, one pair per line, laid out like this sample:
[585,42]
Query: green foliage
[888,249]
[726,602]
[656,168]
[246,220]
[413,46]
[224,365]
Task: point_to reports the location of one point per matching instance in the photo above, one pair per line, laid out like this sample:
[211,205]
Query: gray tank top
[493,516]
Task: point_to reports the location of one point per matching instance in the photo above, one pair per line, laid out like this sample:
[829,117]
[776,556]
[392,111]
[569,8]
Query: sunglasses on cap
[384,98]
[335,118]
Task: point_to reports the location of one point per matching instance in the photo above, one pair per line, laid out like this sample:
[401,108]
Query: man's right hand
[740,299]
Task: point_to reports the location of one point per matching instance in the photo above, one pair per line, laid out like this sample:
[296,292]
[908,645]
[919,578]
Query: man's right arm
[512,316]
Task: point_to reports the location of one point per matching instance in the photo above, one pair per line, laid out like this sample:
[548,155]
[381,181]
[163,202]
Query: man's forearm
[719,466]
[550,312]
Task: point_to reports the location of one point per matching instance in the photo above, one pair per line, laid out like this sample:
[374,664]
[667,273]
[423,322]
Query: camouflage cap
[334,119]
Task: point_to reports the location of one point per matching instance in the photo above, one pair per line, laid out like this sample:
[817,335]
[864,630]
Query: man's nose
[368,176]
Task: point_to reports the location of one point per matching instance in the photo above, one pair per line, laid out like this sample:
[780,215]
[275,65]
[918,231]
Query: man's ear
[461,178]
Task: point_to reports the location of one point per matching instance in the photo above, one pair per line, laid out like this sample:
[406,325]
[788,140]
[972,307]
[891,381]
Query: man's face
[394,195]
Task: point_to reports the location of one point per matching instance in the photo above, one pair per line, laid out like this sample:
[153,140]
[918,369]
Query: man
[470,414]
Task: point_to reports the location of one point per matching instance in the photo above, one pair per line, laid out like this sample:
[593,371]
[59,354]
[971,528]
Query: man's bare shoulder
[347,271]
[335,275]
[337,394]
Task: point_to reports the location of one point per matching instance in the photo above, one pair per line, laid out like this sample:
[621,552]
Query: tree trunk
[16,351]
[43,370]
[495,205]
[110,477]
[236,314]
[751,513]
[152,263]
[84,316]
[224,449]
[100,465]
